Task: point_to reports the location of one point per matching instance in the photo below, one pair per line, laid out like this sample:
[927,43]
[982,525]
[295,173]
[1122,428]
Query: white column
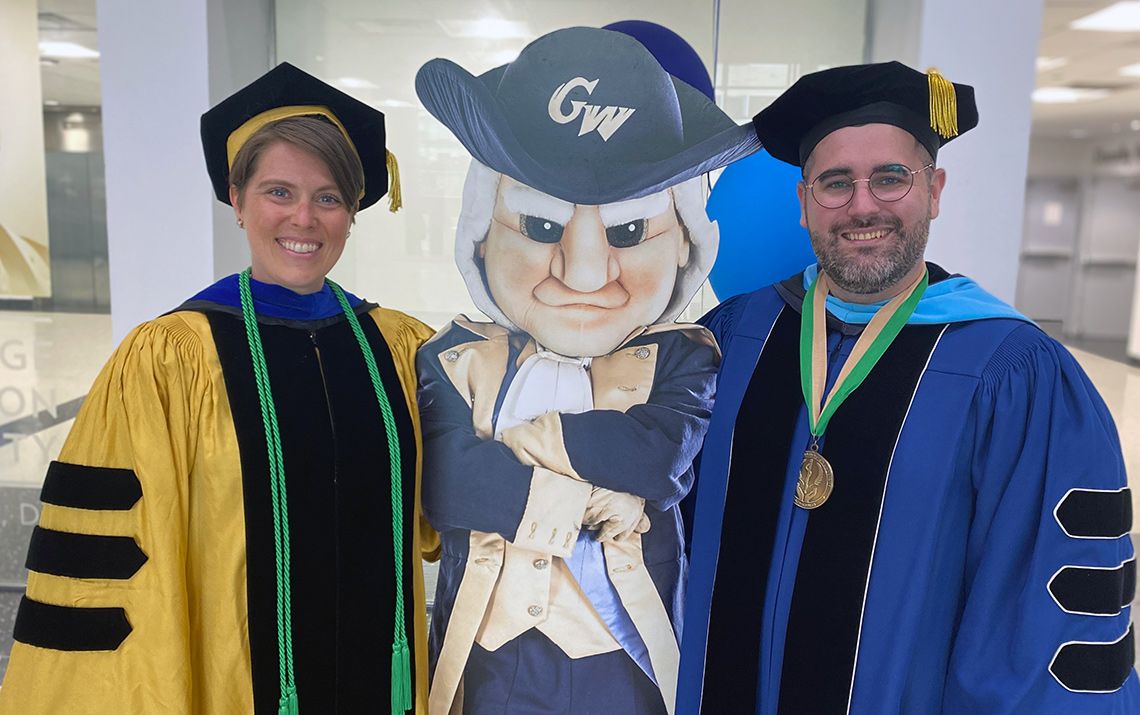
[162,66]
[992,46]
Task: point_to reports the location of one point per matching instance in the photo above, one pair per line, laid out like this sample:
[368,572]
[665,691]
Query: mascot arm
[478,484]
[647,450]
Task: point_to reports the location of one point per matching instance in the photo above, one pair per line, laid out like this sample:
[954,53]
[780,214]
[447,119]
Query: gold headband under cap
[241,135]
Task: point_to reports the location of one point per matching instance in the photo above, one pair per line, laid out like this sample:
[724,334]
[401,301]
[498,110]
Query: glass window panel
[372,50]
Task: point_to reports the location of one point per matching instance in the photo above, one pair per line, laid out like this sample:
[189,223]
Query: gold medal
[816,481]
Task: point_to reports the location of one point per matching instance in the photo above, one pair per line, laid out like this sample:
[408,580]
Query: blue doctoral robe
[974,556]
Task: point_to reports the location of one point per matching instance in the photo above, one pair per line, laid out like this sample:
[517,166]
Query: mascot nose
[583,262]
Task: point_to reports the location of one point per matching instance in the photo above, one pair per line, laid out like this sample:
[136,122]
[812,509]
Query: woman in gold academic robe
[232,525]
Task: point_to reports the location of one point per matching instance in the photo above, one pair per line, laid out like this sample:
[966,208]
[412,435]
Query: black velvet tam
[285,86]
[884,93]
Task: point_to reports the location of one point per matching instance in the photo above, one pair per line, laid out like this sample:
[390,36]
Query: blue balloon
[761,241]
[675,56]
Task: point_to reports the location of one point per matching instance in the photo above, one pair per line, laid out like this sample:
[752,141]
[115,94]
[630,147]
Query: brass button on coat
[540,564]
[535,611]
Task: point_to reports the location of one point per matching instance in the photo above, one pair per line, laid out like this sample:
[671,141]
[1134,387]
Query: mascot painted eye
[627,234]
[540,229]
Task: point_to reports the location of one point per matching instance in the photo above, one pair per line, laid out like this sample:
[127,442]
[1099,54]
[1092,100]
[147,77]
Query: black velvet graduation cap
[926,104]
[286,91]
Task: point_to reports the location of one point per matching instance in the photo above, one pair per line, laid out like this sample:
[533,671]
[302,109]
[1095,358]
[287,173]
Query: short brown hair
[315,135]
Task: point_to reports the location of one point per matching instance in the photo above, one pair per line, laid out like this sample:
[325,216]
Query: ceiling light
[1130,70]
[1120,17]
[51,102]
[1135,124]
[1044,64]
[354,83]
[66,51]
[1067,95]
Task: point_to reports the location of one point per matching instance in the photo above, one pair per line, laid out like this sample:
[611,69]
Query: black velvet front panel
[340,516]
[835,559]
[761,445]
[819,653]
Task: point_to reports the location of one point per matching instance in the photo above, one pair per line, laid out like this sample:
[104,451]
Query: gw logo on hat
[604,120]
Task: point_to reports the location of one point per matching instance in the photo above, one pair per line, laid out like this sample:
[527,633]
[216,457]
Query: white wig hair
[479,194]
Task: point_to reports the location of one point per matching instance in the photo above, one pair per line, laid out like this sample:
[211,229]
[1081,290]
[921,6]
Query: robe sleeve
[104,625]
[1050,569]
[404,336]
[721,320]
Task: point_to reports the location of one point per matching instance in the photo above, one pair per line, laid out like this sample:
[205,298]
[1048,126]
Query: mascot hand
[615,515]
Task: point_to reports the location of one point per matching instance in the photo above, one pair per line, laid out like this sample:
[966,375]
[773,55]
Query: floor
[48,361]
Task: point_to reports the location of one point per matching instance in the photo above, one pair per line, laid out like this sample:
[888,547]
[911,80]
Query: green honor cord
[288,703]
[879,341]
[401,661]
[401,658]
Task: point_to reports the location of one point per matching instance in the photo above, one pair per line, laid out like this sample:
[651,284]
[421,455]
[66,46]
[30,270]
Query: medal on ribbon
[817,478]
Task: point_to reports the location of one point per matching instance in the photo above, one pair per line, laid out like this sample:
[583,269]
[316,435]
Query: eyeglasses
[834,191]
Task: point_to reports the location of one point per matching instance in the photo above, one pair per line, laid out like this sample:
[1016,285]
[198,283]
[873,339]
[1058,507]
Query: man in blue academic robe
[948,531]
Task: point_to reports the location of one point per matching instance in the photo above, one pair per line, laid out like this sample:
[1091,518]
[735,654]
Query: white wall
[1098,287]
[1055,157]
[993,47]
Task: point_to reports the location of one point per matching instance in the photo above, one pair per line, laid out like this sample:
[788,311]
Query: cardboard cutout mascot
[559,439]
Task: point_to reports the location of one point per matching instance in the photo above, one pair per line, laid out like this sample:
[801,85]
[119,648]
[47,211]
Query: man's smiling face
[870,249]
[580,279]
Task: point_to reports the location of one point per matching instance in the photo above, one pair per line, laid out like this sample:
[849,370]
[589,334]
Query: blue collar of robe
[274,301]
[955,299]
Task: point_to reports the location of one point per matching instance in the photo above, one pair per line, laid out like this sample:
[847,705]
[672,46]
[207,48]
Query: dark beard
[888,270]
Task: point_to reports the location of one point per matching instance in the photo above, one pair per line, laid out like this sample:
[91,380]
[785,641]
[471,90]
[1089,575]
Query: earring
[347,235]
[240,223]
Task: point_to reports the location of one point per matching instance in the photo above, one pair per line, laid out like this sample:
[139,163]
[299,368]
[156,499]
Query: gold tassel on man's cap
[395,199]
[943,105]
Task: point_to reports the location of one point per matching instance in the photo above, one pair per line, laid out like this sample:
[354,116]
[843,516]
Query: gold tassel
[943,105]
[395,199]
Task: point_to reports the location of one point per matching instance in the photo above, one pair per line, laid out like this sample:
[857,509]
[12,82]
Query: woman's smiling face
[295,219]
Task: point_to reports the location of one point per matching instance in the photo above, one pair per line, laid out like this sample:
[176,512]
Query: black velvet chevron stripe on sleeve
[69,628]
[1095,667]
[63,553]
[1094,591]
[1095,514]
[98,488]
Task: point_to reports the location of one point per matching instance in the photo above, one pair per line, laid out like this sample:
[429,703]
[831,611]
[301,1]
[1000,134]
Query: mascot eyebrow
[522,199]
